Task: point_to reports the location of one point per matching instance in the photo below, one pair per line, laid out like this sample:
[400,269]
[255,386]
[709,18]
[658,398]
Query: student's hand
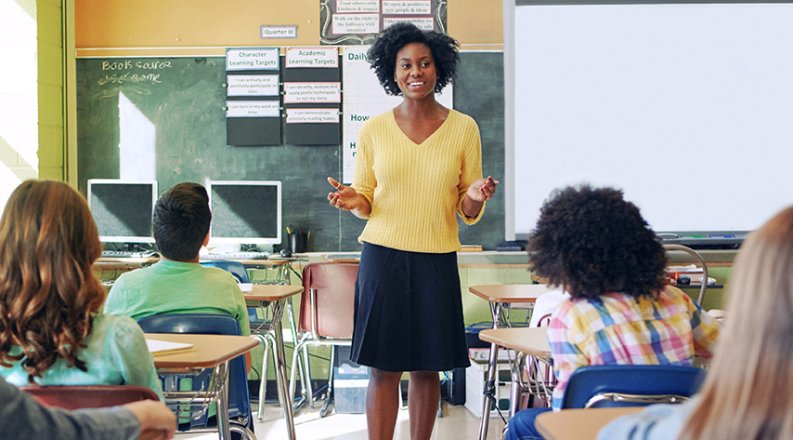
[345,197]
[157,422]
[481,190]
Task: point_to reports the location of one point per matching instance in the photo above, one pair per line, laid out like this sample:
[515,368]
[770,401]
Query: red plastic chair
[88,396]
[326,316]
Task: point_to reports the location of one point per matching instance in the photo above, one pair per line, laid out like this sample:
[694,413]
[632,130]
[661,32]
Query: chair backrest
[600,386]
[88,396]
[235,267]
[328,300]
[209,324]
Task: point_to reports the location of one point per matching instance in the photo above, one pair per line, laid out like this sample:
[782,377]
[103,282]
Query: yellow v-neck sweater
[415,189]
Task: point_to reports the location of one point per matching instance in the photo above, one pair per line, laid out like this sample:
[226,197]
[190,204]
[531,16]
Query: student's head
[591,241]
[181,221]
[748,392]
[384,61]
[48,294]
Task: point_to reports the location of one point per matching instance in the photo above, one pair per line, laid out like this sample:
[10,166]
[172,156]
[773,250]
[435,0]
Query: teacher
[416,166]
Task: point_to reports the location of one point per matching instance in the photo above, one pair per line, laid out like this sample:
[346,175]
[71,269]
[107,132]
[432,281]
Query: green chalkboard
[177,105]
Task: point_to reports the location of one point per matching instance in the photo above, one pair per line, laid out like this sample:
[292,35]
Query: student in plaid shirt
[599,248]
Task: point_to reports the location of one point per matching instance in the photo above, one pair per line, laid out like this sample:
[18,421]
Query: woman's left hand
[481,190]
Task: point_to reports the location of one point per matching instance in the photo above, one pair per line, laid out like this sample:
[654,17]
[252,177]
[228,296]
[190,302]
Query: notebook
[161,347]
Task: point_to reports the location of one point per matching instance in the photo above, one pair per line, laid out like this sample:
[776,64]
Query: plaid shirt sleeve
[704,328]
[567,356]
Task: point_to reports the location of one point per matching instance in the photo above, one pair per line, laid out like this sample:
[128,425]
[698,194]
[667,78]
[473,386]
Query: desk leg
[490,383]
[280,370]
[224,432]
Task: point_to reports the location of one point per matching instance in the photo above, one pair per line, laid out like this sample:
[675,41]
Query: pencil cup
[298,241]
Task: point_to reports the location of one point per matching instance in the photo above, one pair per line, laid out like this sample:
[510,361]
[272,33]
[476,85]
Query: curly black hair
[591,241]
[382,54]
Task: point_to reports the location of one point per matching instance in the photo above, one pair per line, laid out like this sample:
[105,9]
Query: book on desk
[156,346]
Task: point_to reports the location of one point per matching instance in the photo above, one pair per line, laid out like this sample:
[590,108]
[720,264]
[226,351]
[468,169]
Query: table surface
[529,340]
[579,424]
[207,352]
[271,292]
[510,293]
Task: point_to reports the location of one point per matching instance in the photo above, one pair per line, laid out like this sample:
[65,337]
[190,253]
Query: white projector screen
[686,107]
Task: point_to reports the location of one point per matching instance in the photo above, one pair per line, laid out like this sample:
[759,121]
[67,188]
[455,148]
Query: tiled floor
[457,423]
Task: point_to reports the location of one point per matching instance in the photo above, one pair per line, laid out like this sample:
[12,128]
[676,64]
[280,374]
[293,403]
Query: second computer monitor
[122,210]
[245,212]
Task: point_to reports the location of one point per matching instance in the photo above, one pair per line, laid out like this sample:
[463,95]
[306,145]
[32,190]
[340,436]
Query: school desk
[531,344]
[500,297]
[579,424]
[273,297]
[208,351]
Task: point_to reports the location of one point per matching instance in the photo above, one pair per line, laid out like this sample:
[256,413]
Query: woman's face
[415,72]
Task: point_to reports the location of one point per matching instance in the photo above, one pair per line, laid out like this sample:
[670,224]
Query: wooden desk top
[579,424]
[529,340]
[208,350]
[271,292]
[510,293]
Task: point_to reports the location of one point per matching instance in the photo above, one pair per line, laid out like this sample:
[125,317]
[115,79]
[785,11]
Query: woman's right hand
[345,197]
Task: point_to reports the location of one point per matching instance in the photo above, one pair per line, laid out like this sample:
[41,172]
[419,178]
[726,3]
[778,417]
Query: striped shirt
[619,329]
[415,189]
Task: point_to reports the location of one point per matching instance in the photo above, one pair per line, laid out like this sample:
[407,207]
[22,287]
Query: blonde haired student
[748,393]
[51,331]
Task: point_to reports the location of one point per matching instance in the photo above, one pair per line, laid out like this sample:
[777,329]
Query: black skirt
[408,311]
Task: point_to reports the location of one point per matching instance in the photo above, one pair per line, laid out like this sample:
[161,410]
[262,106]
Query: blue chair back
[235,267]
[210,324]
[599,386]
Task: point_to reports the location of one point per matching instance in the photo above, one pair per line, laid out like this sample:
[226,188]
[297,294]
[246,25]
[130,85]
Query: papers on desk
[246,287]
[162,347]
[483,354]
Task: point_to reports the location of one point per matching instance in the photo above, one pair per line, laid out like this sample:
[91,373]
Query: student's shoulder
[116,328]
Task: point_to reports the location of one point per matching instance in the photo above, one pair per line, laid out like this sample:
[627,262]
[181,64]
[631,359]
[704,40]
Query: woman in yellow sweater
[416,166]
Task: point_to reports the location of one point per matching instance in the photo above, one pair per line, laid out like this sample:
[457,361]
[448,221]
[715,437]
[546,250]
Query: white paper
[347,6]
[312,92]
[252,109]
[266,58]
[157,346]
[423,23]
[356,24]
[312,116]
[312,57]
[252,85]
[415,7]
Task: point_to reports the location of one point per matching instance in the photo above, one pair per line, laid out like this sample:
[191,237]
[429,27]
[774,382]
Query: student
[51,331]
[23,418]
[748,392]
[178,283]
[600,249]
[418,167]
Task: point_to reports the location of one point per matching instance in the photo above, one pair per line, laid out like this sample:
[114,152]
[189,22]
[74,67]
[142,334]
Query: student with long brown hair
[748,393]
[51,331]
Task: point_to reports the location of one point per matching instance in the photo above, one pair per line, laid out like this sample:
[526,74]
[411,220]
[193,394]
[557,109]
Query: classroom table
[275,297]
[208,351]
[531,342]
[500,297]
[579,424]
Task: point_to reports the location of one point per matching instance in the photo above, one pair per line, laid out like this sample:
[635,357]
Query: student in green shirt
[178,283]
[51,331]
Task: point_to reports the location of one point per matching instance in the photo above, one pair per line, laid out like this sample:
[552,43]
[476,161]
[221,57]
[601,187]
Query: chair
[326,316]
[235,267]
[702,264]
[88,396]
[241,420]
[600,386]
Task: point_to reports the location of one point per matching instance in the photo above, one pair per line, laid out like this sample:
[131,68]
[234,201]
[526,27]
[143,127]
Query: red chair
[88,396]
[326,317]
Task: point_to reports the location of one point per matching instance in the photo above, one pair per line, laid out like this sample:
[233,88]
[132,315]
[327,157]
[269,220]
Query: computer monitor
[122,209]
[245,212]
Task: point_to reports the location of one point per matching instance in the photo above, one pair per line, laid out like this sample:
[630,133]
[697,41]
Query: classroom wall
[184,109]
[18,94]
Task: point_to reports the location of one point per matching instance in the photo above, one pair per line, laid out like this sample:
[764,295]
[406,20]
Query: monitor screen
[122,210]
[245,212]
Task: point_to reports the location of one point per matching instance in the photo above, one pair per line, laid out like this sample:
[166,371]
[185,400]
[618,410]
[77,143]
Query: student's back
[178,283]
[49,298]
[177,287]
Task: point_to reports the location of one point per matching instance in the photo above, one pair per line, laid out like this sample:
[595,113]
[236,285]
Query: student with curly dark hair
[597,246]
[416,167]
[51,328]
